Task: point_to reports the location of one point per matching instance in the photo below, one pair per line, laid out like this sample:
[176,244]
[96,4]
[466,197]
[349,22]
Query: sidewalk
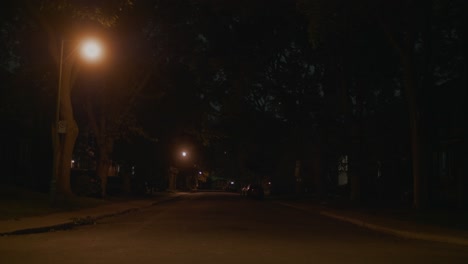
[65,220]
[388,222]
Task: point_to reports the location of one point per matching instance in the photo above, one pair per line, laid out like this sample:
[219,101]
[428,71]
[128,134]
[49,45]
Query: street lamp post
[91,51]
[59,90]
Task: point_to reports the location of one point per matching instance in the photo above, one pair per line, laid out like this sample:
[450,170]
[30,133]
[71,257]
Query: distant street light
[184,154]
[91,51]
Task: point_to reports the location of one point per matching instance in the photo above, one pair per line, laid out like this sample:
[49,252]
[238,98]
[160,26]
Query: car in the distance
[254,191]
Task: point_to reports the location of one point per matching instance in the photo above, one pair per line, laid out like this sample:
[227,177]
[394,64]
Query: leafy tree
[405,42]
[48,24]
[124,88]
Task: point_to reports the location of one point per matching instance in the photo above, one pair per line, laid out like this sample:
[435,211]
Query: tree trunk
[105,144]
[102,173]
[410,88]
[104,162]
[356,163]
[126,182]
[419,190]
[317,161]
[172,174]
[64,143]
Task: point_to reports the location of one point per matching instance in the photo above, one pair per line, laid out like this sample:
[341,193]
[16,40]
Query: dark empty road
[222,228]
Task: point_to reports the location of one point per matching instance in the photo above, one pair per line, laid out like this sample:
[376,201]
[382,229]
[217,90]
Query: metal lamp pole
[57,110]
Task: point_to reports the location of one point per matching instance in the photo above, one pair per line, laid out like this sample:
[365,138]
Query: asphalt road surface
[222,228]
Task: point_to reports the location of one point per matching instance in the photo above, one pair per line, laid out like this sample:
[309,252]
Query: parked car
[254,191]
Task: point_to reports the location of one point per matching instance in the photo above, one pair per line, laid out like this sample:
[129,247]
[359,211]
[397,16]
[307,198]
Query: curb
[82,221]
[384,229]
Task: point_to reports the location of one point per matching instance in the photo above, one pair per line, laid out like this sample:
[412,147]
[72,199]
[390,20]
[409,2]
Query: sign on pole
[62,127]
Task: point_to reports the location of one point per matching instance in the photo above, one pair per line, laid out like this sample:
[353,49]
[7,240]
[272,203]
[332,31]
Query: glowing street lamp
[184,154]
[91,50]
